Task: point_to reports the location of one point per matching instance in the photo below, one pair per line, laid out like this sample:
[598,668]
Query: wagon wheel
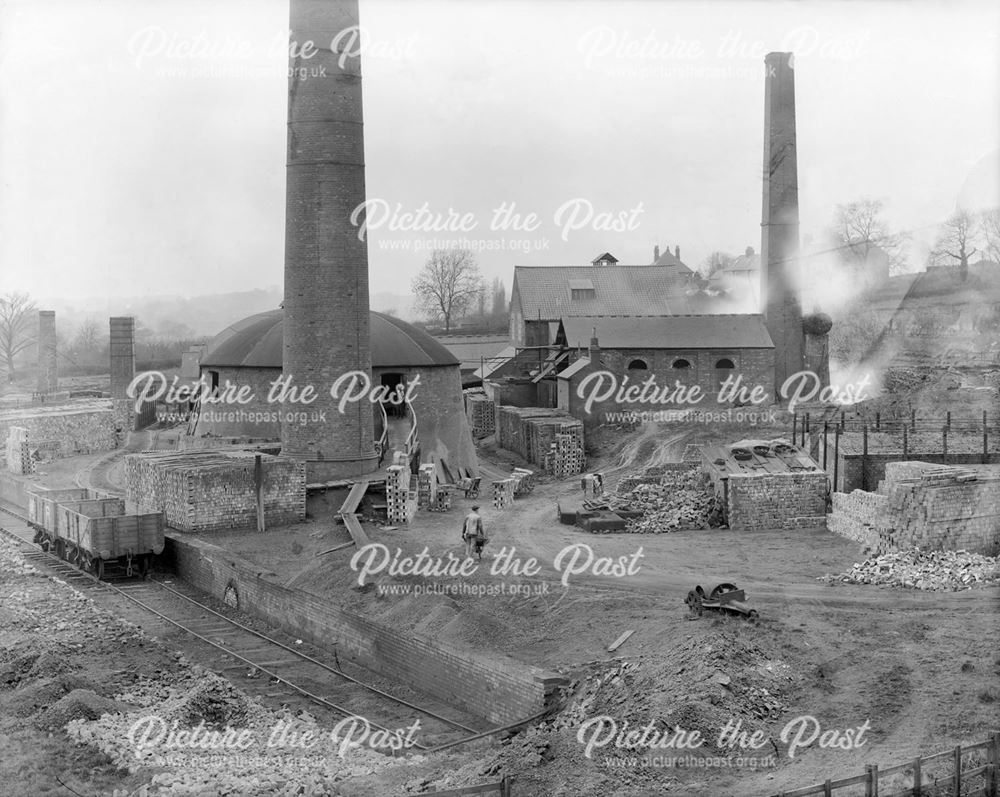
[37,539]
[75,558]
[721,588]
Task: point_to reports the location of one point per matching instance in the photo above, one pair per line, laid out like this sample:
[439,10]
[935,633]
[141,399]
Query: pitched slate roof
[544,291]
[670,332]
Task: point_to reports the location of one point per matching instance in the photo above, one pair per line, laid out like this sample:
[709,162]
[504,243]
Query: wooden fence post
[906,445]
[864,458]
[913,420]
[826,427]
[957,791]
[994,757]
[871,782]
[917,778]
[827,791]
[795,427]
[944,444]
[836,456]
[878,419]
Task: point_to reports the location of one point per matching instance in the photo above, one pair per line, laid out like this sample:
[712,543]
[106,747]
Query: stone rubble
[675,500]
[928,570]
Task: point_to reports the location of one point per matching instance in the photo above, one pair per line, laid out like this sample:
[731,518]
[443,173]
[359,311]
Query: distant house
[542,295]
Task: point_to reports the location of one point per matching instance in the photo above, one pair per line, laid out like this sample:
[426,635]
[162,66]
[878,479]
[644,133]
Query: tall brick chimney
[122,350]
[779,247]
[48,374]
[326,321]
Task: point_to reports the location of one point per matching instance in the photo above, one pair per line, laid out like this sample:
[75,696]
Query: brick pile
[927,570]
[777,500]
[442,498]
[547,437]
[672,497]
[427,485]
[503,493]
[84,427]
[927,506]
[397,493]
[214,490]
[19,459]
[481,412]
[566,456]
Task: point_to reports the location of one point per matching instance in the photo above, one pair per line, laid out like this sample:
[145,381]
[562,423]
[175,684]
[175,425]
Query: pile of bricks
[928,570]
[524,481]
[927,506]
[503,493]
[82,427]
[547,437]
[777,500]
[427,485]
[397,494]
[481,412]
[19,459]
[214,490]
[442,499]
[566,456]
[671,497]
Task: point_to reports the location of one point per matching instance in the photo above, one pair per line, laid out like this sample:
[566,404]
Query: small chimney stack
[594,345]
[677,252]
[656,253]
[48,380]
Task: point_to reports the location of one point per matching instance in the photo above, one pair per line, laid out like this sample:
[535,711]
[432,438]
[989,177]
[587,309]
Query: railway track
[281,671]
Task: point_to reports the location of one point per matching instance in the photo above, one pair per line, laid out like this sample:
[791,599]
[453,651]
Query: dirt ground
[920,670]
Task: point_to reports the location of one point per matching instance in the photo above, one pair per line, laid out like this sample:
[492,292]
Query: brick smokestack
[122,349]
[48,375]
[779,248]
[326,321]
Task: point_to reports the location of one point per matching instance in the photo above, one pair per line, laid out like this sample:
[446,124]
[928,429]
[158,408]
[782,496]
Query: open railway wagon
[94,532]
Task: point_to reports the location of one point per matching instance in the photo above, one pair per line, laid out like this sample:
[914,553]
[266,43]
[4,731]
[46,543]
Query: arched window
[638,365]
[681,363]
[725,362]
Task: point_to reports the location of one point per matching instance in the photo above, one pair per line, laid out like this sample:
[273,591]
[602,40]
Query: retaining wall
[501,691]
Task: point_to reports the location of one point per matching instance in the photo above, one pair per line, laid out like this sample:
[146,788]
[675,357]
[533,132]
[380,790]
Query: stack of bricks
[926,506]
[427,485]
[503,493]
[83,427]
[397,493]
[566,456]
[532,431]
[524,481]
[777,500]
[481,412]
[442,499]
[19,458]
[214,490]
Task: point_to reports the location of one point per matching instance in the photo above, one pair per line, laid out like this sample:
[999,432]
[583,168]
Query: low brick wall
[777,500]
[925,505]
[64,431]
[212,490]
[501,691]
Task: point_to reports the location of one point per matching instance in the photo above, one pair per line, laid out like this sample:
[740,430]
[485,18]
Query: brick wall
[925,505]
[776,500]
[65,431]
[211,490]
[754,366]
[501,691]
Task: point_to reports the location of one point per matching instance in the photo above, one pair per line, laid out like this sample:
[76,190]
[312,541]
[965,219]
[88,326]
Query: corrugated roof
[257,342]
[544,291]
[670,332]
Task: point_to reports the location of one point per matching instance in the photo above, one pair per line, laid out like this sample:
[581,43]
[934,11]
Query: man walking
[472,530]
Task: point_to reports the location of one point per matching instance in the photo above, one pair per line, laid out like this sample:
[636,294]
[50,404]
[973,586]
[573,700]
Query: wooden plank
[485,788]
[354,527]
[335,548]
[620,641]
[358,490]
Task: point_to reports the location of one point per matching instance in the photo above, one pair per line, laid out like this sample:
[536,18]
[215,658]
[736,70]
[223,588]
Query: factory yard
[915,672]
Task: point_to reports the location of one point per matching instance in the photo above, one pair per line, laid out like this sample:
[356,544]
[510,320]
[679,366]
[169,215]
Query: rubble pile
[930,570]
[668,508]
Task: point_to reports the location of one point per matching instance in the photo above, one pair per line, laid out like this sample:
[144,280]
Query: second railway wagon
[90,532]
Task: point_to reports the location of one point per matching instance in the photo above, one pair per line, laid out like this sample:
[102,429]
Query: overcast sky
[142,142]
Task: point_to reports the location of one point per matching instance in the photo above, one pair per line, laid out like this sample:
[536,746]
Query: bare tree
[499,291]
[989,227]
[448,285]
[16,311]
[955,240]
[88,336]
[860,231]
